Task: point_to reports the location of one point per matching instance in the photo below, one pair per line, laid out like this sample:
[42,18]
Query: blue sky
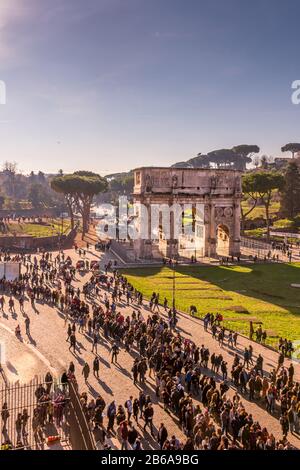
[108,85]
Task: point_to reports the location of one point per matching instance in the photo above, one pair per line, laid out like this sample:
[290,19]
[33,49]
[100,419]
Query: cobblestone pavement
[48,339]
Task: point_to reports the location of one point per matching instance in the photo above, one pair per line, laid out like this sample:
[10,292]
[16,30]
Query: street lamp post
[174,287]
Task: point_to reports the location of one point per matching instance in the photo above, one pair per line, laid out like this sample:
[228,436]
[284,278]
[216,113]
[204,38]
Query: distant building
[279,163]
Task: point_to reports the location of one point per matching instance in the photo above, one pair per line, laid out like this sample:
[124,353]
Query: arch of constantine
[216,223]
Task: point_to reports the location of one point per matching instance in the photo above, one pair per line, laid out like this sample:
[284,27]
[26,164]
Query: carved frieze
[224,212]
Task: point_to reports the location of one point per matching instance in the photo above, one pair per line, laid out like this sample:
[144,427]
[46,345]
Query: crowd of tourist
[46,413]
[186,379]
[206,396]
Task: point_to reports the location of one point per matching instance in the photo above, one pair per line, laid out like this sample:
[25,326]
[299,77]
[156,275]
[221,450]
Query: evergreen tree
[290,194]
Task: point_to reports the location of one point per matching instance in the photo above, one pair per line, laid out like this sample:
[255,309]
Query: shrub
[284,223]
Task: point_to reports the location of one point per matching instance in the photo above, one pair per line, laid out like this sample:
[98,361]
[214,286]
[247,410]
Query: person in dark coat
[162,435]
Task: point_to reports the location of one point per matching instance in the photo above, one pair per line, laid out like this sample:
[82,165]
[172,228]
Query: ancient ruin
[216,229]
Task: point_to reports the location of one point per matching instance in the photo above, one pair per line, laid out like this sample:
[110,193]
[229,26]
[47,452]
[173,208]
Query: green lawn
[263,292]
[259,211]
[39,230]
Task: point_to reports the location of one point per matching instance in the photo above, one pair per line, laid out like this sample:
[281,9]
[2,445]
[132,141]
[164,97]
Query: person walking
[284,423]
[142,402]
[124,435]
[18,425]
[4,416]
[111,414]
[280,361]
[148,415]
[86,372]
[11,305]
[251,385]
[129,408]
[73,342]
[2,302]
[114,353]
[49,382]
[135,371]
[69,332]
[71,369]
[246,358]
[95,342]
[135,409]
[162,435]
[96,366]
[224,370]
[291,372]
[25,419]
[21,304]
[27,325]
[259,364]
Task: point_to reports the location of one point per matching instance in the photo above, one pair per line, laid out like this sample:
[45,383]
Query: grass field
[262,292]
[38,230]
[259,211]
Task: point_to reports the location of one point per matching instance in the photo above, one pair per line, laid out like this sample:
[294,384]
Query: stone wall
[28,243]
[30,212]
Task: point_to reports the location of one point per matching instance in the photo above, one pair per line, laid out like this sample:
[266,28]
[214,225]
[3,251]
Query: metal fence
[40,415]
[255,244]
[34,415]
[253,247]
[81,437]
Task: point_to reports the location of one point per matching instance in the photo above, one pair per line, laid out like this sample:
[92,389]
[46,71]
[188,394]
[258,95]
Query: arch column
[234,239]
[212,242]
[172,244]
[169,246]
[143,244]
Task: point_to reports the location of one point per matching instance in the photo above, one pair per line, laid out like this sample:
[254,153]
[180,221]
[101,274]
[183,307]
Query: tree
[264,162]
[89,184]
[66,185]
[290,194]
[10,167]
[246,153]
[235,158]
[79,190]
[222,158]
[292,147]
[31,177]
[41,177]
[262,184]
[122,184]
[10,170]
[38,195]
[249,188]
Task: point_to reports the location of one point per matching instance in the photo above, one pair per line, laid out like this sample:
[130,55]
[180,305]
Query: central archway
[223,237]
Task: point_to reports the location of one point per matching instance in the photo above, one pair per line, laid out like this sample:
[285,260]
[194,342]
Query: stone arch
[223,240]
[218,191]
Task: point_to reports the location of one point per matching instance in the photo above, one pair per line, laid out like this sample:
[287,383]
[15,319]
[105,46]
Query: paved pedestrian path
[48,337]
